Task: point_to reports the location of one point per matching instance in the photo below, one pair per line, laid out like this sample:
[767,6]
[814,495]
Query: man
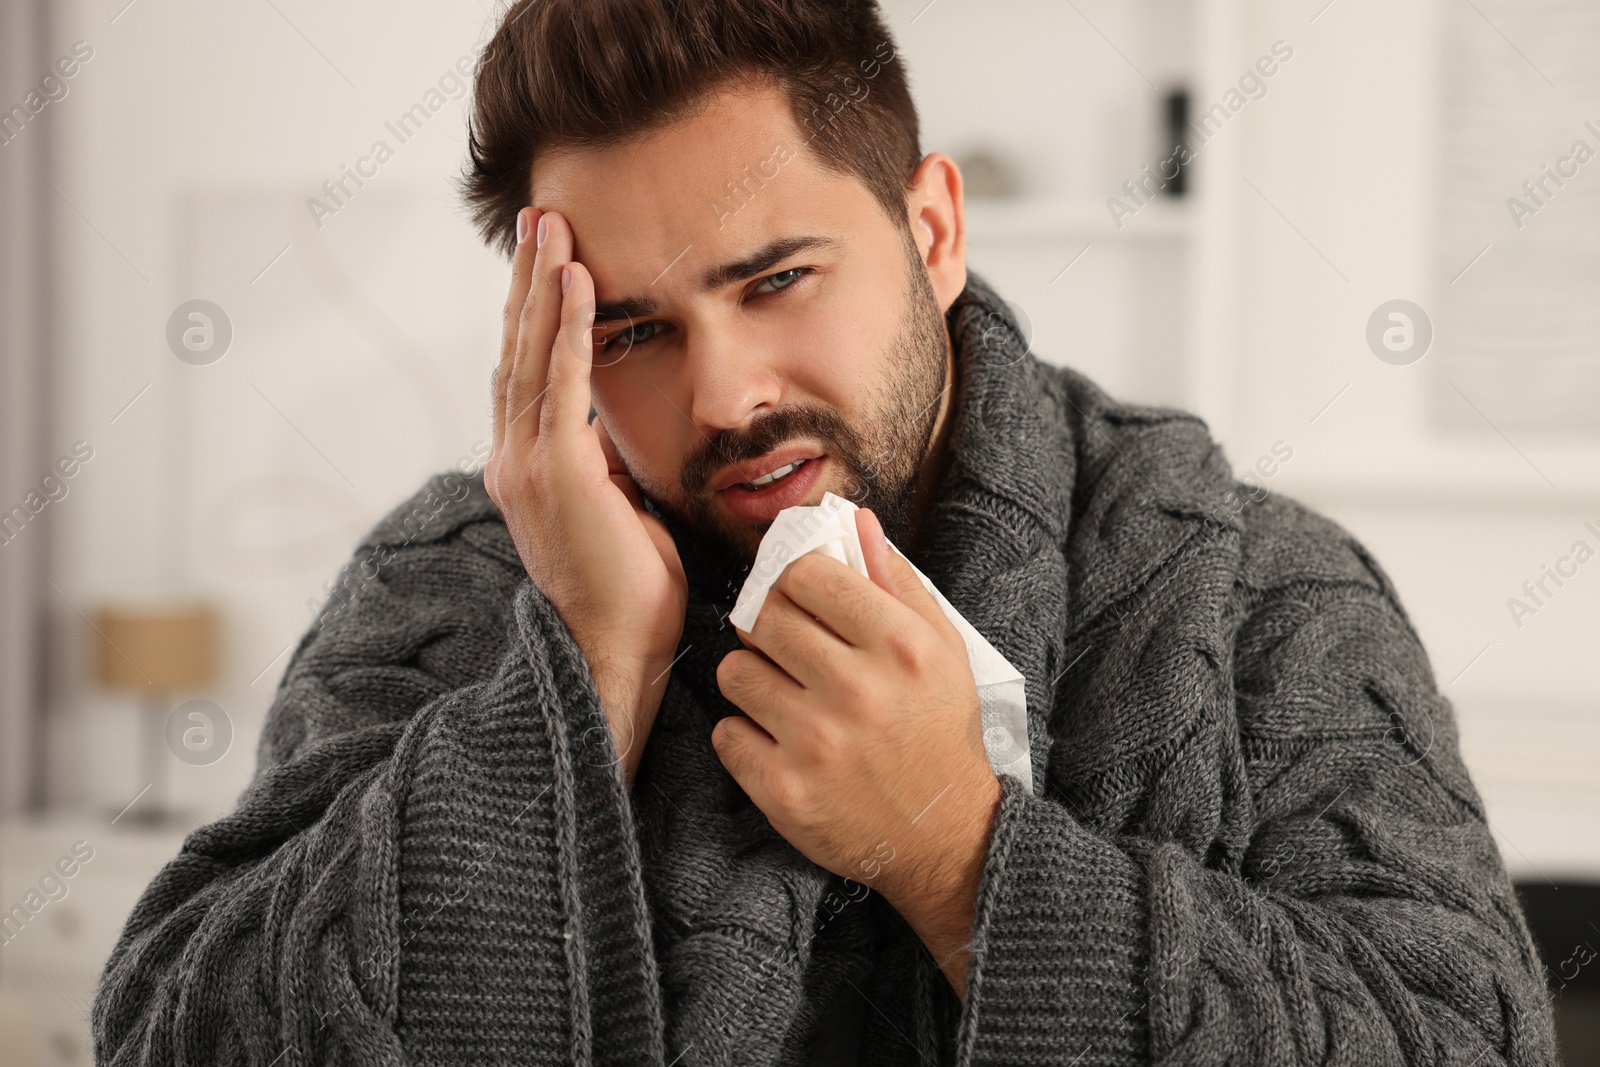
[528,796]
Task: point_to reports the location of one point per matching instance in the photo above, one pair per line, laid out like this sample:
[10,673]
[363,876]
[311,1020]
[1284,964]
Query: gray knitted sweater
[1251,838]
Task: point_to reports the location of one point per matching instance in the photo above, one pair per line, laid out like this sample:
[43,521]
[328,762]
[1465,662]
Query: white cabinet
[67,885]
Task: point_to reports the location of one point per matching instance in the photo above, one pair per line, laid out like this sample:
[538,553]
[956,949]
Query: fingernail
[522,225]
[566,279]
[544,230]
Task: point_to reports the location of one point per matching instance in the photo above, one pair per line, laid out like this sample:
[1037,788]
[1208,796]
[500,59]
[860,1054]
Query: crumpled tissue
[830,528]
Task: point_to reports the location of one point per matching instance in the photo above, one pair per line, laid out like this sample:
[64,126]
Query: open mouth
[761,499]
[776,476]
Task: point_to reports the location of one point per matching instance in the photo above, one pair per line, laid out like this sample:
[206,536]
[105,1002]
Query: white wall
[1349,154]
[360,358]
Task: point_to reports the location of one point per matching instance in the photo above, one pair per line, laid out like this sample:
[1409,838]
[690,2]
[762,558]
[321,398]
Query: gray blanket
[1252,839]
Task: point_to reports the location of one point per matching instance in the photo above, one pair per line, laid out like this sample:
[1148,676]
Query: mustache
[765,434]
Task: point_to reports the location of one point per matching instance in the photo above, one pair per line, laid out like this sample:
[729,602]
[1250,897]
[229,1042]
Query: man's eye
[783,279]
[633,336]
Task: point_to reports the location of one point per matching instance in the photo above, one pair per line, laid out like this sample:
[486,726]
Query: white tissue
[830,528]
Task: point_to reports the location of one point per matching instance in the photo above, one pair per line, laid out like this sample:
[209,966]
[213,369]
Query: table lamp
[155,653]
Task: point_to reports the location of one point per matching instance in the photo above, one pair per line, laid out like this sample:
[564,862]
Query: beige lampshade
[160,650]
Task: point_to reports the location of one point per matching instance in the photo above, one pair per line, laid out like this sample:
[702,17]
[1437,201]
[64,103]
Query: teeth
[774,476]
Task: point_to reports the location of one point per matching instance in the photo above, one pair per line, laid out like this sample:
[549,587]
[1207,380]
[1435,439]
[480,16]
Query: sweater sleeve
[435,861]
[1369,920]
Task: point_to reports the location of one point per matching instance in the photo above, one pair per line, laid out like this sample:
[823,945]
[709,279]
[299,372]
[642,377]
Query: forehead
[656,211]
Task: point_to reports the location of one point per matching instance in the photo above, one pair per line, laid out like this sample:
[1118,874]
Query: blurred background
[1358,238]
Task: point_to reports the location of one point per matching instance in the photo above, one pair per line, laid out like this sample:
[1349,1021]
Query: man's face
[824,342]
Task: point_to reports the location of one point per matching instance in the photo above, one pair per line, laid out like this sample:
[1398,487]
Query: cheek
[641,423]
[839,360]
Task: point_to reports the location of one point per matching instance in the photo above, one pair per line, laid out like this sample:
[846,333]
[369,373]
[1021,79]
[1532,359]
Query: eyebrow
[762,259]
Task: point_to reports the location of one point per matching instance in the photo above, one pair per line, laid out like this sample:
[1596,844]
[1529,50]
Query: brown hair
[595,73]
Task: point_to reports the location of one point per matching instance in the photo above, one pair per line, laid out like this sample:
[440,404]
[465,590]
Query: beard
[881,460]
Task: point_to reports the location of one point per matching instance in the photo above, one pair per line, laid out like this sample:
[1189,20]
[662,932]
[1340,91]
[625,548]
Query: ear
[937,214]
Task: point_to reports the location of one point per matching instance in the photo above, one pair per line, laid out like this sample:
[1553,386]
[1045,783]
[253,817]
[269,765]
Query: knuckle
[789,627]
[729,673]
[574,336]
[529,308]
[535,478]
[815,566]
[801,573]
[907,657]
[548,277]
[789,792]
[794,572]
[838,586]
[822,740]
[856,693]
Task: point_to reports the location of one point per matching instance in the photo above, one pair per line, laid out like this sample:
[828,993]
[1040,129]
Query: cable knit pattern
[1251,841]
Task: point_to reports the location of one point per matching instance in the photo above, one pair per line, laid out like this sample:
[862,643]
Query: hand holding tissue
[830,528]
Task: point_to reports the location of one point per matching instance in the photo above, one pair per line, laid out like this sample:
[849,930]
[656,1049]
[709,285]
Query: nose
[730,379]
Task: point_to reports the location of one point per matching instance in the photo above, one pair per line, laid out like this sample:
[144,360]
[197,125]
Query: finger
[614,464]
[893,573]
[617,470]
[762,693]
[794,639]
[743,747]
[522,260]
[521,276]
[875,548]
[758,689]
[565,407]
[846,603]
[536,330]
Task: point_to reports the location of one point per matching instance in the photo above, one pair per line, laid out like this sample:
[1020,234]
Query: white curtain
[26,403]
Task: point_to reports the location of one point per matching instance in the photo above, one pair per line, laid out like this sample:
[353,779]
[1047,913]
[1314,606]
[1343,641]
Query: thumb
[616,469]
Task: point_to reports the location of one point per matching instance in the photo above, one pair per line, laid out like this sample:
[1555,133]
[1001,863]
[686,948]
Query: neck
[931,477]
